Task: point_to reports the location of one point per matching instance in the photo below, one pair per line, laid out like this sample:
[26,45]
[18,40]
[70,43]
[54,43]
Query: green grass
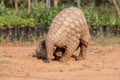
[105,40]
[1,39]
[40,15]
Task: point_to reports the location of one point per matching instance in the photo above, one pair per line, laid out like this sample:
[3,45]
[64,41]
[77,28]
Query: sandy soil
[101,63]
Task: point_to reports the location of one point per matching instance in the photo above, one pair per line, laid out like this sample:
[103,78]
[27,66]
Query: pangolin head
[41,50]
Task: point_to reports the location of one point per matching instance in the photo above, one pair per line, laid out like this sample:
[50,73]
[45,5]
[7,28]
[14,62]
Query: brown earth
[101,63]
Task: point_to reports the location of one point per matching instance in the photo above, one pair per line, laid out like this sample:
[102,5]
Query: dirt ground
[101,63]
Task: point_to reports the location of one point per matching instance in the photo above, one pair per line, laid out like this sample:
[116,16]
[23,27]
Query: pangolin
[68,31]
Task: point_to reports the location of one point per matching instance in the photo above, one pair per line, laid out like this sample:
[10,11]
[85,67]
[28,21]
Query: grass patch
[4,62]
[105,40]
[19,44]
[1,39]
